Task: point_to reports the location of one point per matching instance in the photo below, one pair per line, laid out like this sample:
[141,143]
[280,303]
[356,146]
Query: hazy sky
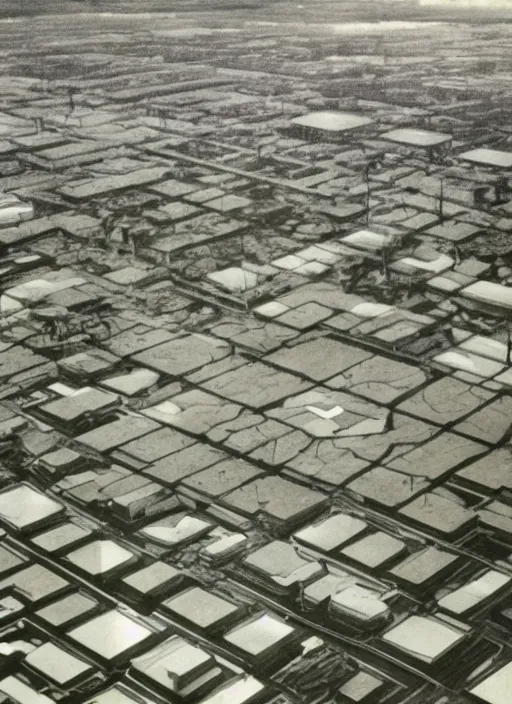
[470,3]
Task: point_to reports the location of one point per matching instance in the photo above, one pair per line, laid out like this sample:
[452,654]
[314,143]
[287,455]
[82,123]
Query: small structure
[113,637]
[495,688]
[327,126]
[13,210]
[435,143]
[498,161]
[425,640]
[493,158]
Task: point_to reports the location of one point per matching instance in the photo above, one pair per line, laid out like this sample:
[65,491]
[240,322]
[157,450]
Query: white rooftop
[332,121]
[186,528]
[110,634]
[13,210]
[360,602]
[496,688]
[100,556]
[61,666]
[367,240]
[238,691]
[331,532]
[21,506]
[234,279]
[117,695]
[416,138]
[259,635]
[424,638]
[18,691]
[489,293]
[488,157]
[473,593]
[173,659]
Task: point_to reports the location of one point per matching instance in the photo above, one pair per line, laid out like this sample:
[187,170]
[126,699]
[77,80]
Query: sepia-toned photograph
[255,351]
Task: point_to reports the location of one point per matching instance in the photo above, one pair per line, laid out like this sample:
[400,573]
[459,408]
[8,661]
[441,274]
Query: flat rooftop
[100,557]
[260,635]
[416,138]
[495,689]
[490,293]
[474,593]
[174,663]
[332,121]
[424,638]
[22,507]
[110,635]
[52,661]
[488,157]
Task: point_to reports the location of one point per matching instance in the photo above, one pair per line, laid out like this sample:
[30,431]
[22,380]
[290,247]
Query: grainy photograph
[255,352]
